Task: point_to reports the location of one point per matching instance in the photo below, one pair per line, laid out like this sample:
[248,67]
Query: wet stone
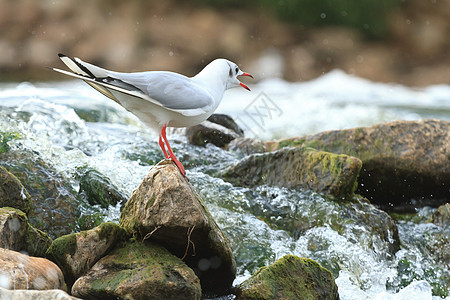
[166,209]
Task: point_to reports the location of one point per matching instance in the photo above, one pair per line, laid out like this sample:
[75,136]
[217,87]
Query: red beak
[243,85]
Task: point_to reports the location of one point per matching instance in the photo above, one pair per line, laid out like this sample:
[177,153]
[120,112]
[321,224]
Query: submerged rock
[290,277]
[12,192]
[138,271]
[401,160]
[326,173]
[34,295]
[76,253]
[18,235]
[166,209]
[99,189]
[20,271]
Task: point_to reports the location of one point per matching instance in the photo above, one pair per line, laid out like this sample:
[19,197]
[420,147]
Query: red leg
[171,155]
[163,147]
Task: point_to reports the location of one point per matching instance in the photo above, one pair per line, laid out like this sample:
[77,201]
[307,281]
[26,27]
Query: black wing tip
[62,55]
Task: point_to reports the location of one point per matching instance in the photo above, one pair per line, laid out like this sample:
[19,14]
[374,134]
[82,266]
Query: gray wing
[171,90]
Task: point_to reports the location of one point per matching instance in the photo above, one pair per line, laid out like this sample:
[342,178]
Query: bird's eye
[236,70]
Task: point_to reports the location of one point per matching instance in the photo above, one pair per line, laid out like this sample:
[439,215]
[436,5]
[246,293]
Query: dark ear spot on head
[231,72]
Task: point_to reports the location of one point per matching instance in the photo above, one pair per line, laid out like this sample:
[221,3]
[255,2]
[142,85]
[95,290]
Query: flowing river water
[69,126]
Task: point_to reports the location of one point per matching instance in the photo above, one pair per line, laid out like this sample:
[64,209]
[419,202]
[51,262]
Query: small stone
[441,216]
[208,132]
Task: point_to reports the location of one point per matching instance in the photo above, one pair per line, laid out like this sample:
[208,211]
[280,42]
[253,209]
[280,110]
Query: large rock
[20,271]
[12,192]
[138,271]
[18,235]
[166,209]
[34,295]
[76,253]
[301,167]
[401,160]
[290,277]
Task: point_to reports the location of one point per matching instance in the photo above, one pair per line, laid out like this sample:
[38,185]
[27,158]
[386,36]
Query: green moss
[290,277]
[5,138]
[138,261]
[295,142]
[62,246]
[109,229]
[8,209]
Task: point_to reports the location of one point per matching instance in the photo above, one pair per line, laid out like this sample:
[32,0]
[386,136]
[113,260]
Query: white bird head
[226,71]
[233,74]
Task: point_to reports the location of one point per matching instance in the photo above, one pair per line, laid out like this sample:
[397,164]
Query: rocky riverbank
[167,244]
[183,37]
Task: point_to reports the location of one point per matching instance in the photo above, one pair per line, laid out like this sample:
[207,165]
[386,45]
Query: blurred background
[403,41]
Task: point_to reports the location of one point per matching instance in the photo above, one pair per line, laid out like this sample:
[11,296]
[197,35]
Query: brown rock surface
[21,271]
[76,253]
[401,160]
[166,209]
[34,295]
[18,235]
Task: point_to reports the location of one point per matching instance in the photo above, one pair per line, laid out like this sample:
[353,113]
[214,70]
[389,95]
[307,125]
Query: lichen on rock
[290,277]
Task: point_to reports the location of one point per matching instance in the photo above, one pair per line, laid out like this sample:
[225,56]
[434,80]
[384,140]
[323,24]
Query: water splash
[70,127]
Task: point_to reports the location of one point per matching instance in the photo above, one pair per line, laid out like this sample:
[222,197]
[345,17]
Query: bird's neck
[213,81]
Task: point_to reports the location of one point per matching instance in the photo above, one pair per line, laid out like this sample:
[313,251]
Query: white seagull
[162,98]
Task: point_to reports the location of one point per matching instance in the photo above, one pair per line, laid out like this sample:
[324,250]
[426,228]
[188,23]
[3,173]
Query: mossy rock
[5,138]
[12,192]
[327,173]
[290,277]
[166,209]
[18,235]
[99,189]
[76,253]
[401,160]
[55,206]
[139,271]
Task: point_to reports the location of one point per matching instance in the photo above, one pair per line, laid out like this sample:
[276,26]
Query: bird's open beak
[243,85]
